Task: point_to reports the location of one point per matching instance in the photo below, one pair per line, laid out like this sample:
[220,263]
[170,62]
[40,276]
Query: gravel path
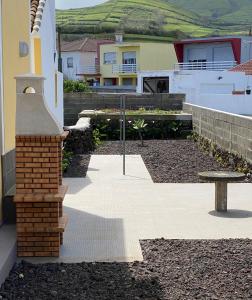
[172,269]
[168,161]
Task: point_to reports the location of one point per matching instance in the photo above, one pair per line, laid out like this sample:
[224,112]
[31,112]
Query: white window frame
[70,65]
[131,57]
[110,61]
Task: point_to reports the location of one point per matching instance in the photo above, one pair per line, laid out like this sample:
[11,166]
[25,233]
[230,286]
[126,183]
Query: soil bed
[172,269]
[168,161]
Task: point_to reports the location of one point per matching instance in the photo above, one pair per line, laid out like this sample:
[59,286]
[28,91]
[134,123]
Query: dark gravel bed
[79,166]
[172,269]
[168,161]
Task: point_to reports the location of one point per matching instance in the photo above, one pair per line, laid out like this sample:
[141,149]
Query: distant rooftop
[83,45]
[245,67]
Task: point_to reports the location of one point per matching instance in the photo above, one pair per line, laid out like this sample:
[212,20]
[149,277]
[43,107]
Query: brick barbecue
[39,190]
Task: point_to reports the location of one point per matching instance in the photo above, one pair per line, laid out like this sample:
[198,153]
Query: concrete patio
[109,213]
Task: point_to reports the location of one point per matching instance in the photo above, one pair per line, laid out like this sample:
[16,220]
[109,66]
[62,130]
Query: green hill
[154,20]
[214,8]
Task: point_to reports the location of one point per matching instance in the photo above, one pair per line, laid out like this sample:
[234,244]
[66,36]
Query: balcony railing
[206,66]
[125,69]
[88,70]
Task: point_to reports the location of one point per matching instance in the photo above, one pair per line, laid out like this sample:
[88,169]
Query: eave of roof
[36,13]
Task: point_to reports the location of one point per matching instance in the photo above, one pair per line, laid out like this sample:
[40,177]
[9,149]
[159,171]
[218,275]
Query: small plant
[175,128]
[66,161]
[140,125]
[71,86]
[97,137]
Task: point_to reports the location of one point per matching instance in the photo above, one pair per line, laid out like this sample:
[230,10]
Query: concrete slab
[7,250]
[110,213]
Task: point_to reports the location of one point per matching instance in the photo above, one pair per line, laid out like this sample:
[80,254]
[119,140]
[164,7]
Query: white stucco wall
[211,89]
[214,90]
[70,73]
[246,49]
[80,60]
[47,34]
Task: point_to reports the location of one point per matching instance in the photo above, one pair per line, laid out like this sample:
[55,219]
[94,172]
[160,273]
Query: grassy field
[156,20]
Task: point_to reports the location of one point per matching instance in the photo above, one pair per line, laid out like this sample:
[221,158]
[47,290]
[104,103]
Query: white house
[213,52]
[44,58]
[81,59]
[204,74]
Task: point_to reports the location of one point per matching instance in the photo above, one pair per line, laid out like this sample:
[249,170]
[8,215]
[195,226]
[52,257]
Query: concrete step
[7,250]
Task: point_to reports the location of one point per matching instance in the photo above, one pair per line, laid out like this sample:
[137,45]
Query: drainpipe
[1,87]
[59,51]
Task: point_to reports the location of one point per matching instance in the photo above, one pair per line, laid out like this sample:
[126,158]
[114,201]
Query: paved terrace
[109,213]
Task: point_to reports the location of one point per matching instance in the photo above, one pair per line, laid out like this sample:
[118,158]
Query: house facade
[15,36]
[120,62]
[44,59]
[213,53]
[27,45]
[81,59]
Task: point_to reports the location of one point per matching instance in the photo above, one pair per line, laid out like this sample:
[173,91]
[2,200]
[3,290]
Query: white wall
[211,89]
[70,73]
[214,90]
[246,49]
[47,34]
[236,104]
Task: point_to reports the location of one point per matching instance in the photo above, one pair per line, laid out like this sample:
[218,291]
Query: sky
[64,4]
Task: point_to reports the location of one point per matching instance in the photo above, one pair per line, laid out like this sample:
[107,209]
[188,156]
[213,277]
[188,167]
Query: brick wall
[39,195]
[231,132]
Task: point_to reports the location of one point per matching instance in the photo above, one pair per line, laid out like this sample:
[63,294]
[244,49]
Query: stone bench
[221,180]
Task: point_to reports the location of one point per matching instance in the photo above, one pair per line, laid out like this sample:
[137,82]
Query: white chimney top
[119,37]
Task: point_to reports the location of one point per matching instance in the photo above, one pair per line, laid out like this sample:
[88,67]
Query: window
[129,58]
[109,58]
[70,62]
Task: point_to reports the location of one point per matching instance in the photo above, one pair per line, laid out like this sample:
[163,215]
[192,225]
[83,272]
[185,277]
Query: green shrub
[71,86]
[139,126]
[66,161]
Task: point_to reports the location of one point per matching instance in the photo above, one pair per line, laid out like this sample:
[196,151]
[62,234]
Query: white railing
[88,70]
[125,68]
[207,66]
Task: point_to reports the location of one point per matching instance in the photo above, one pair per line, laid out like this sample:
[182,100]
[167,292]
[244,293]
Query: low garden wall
[74,103]
[231,132]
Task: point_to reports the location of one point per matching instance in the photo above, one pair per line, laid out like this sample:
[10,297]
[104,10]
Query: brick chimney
[39,189]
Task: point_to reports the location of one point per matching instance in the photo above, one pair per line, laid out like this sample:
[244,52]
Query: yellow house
[27,45]
[120,62]
[14,38]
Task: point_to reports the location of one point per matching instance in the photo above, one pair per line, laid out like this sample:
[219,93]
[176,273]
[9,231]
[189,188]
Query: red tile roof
[245,67]
[83,45]
[36,13]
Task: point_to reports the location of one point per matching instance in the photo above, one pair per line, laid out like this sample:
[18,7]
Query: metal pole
[121,119]
[124,134]
[59,51]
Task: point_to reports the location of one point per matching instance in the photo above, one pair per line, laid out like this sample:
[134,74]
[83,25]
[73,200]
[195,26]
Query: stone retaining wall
[231,132]
[74,103]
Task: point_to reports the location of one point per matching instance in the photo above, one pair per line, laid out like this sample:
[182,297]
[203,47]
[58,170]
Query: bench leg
[221,196]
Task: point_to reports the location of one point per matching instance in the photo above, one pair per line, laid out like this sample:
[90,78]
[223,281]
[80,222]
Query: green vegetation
[223,157]
[215,8]
[67,157]
[160,20]
[143,111]
[71,86]
[139,126]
